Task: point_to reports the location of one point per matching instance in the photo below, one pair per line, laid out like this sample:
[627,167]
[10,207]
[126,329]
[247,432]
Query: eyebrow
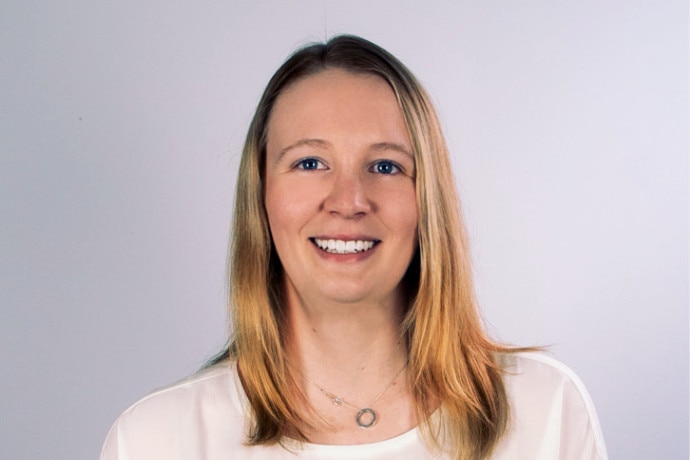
[392,146]
[318,143]
[322,144]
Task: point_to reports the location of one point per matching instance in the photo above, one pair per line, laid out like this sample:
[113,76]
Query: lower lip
[344,258]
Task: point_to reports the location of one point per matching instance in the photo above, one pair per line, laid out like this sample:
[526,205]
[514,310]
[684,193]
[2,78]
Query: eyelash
[301,164]
[316,164]
[396,169]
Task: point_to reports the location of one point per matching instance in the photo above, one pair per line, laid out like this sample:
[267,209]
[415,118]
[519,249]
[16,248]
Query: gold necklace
[366,416]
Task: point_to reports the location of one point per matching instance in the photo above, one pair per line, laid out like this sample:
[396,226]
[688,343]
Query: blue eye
[308,164]
[386,167]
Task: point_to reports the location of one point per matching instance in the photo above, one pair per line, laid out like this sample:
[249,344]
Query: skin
[339,166]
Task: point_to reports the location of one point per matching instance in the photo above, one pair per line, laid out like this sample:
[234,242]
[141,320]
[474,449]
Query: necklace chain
[366,416]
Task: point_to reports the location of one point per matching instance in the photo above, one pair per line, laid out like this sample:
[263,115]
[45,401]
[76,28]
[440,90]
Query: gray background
[121,125]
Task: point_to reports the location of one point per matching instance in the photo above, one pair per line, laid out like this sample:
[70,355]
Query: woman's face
[340,188]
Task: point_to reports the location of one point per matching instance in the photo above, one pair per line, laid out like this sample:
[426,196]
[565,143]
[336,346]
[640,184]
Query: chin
[357,295]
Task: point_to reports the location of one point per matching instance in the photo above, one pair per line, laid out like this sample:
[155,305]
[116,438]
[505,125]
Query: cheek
[275,211]
[278,217]
[290,201]
[276,199]
[287,212]
[402,211]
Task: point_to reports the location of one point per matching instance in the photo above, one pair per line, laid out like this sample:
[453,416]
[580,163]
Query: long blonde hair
[451,360]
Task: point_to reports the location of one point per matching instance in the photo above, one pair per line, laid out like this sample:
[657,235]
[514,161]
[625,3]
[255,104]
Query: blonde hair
[451,360]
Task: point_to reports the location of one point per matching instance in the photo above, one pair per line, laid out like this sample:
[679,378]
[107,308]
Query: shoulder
[523,370]
[160,424]
[551,410]
[210,384]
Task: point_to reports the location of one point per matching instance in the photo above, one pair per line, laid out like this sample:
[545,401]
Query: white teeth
[344,247]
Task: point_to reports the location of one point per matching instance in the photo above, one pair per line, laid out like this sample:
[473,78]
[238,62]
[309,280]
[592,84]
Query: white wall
[120,130]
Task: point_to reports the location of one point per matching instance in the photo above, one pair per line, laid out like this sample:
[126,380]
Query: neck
[347,357]
[344,338]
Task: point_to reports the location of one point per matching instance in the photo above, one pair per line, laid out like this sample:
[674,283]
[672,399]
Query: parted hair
[453,366]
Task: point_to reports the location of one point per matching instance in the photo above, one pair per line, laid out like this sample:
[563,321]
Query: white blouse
[205,417]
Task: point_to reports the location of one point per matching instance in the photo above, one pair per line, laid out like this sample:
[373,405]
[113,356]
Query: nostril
[348,198]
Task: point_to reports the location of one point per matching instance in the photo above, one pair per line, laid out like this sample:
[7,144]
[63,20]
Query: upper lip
[345,237]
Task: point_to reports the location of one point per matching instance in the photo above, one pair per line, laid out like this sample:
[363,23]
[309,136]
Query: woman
[356,330]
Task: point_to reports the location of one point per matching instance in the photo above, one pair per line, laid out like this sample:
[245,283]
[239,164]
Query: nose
[348,196]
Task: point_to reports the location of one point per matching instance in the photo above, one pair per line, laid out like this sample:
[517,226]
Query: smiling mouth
[343,246]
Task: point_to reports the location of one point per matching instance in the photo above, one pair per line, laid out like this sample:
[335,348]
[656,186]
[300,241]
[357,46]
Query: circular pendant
[366,417]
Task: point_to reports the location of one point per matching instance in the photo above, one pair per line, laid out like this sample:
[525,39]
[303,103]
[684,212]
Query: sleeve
[110,449]
[552,415]
[146,432]
[580,437]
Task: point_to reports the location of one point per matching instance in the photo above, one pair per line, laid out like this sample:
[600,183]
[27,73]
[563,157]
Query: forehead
[333,98]
[329,77]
